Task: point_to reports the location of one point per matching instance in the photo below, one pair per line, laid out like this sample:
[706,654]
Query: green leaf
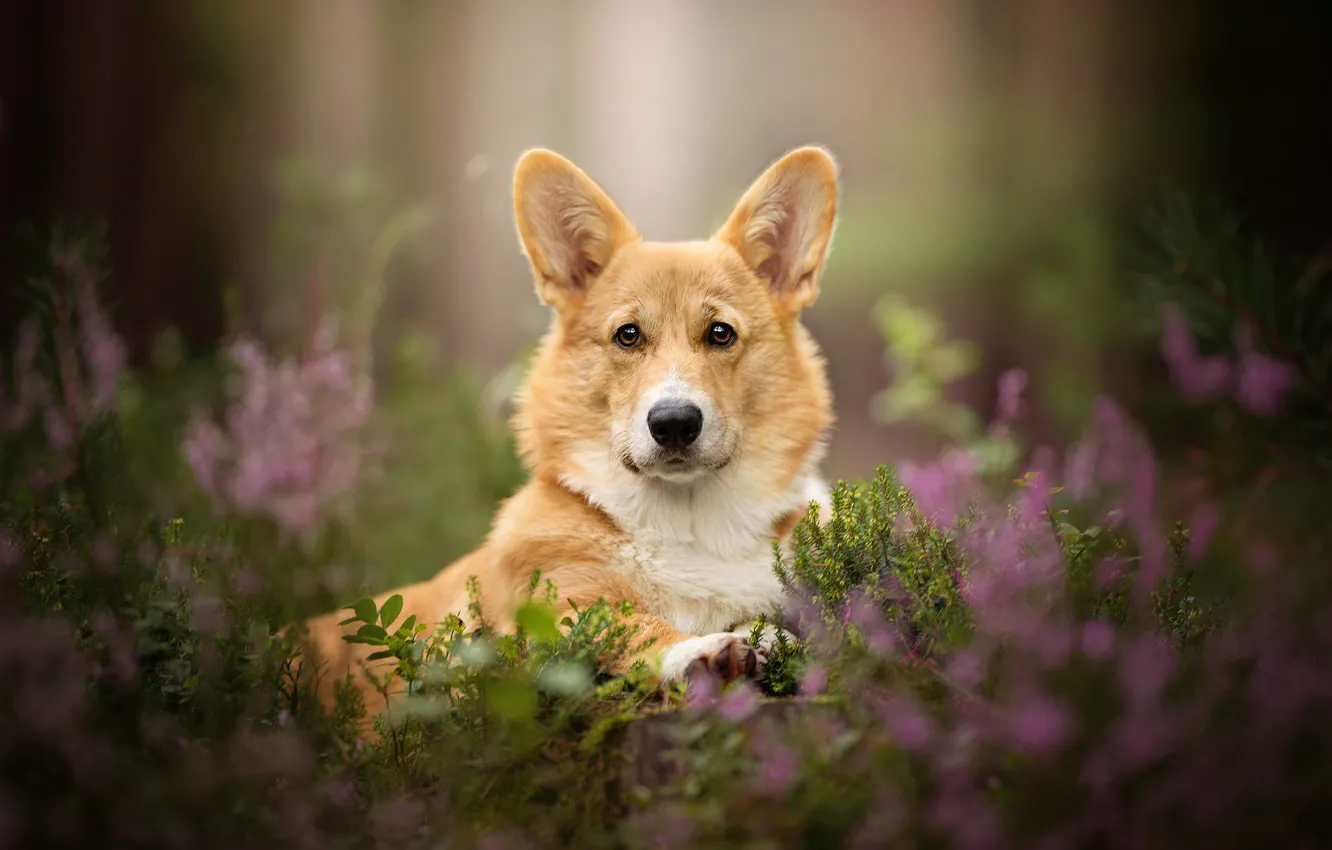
[408,624]
[383,653]
[372,631]
[538,620]
[565,678]
[365,609]
[512,700]
[392,608]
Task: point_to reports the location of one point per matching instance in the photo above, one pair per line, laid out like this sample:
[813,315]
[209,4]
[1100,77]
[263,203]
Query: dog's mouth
[675,466]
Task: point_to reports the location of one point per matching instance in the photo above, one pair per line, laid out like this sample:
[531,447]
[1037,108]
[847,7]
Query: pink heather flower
[1039,724]
[1196,377]
[777,771]
[59,431]
[1114,438]
[664,827]
[271,754]
[340,793]
[1263,381]
[965,815]
[1098,639]
[1146,664]
[119,645]
[907,723]
[292,446]
[739,701]
[398,819]
[32,389]
[1012,385]
[942,487]
[703,690]
[1052,642]
[208,614]
[103,350]
[867,616]
[1080,469]
[9,552]
[814,681]
[247,581]
[104,553]
[966,666]
[881,825]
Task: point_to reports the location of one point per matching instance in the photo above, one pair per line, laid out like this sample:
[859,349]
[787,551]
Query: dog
[672,420]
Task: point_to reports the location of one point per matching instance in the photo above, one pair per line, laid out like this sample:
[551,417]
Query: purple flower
[778,769]
[1080,469]
[738,702]
[1263,381]
[397,820]
[1098,639]
[940,488]
[702,691]
[247,581]
[814,681]
[965,815]
[1147,663]
[103,350]
[907,723]
[664,826]
[32,389]
[292,447]
[270,755]
[867,616]
[340,793]
[1039,724]
[208,614]
[1196,377]
[10,553]
[1012,384]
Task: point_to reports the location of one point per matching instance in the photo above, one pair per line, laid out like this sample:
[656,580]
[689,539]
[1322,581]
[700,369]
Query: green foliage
[139,627]
[1227,281]
[924,363]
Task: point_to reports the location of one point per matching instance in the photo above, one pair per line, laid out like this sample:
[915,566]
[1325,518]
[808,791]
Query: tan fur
[591,522]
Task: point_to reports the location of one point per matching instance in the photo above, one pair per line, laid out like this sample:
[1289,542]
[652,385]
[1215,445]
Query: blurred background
[250,155]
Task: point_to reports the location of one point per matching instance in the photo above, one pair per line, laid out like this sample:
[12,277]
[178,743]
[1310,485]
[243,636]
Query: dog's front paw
[763,649]
[724,656]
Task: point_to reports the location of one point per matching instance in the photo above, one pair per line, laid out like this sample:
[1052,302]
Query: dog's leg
[724,655]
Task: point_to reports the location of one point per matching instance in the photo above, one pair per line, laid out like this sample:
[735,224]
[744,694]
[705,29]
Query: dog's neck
[726,513]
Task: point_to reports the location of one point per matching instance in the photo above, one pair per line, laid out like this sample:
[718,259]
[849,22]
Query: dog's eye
[627,336]
[721,334]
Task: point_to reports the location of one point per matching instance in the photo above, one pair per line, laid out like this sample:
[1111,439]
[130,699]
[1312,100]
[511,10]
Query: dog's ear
[569,227]
[783,225]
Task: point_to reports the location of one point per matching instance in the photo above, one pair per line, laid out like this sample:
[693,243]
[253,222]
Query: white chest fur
[700,555]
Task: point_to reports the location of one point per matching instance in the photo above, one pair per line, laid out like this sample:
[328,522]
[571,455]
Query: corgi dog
[672,420]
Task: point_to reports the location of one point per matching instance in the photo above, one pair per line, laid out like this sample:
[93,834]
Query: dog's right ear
[568,226]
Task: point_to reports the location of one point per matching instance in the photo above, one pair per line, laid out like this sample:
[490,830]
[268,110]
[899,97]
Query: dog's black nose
[674,424]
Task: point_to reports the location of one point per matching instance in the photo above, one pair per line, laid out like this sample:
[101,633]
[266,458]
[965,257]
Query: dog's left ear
[783,225]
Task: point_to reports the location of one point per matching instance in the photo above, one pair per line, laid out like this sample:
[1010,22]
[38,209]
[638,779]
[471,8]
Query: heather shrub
[1086,646]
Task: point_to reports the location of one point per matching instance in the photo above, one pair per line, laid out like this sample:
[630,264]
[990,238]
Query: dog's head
[674,362]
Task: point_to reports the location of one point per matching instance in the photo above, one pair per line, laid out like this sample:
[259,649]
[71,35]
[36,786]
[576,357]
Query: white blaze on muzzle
[675,420]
